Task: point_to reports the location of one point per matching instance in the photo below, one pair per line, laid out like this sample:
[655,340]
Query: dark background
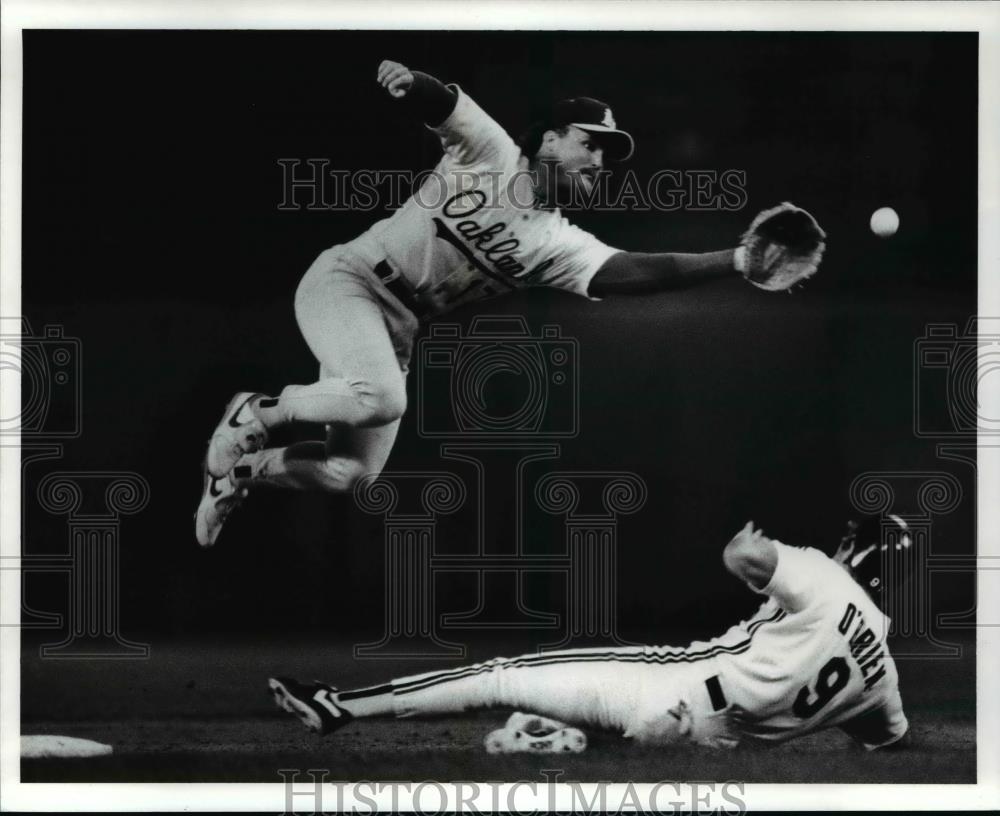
[152,233]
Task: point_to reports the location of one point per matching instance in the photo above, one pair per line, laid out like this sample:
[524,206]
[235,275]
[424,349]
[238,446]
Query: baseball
[885,222]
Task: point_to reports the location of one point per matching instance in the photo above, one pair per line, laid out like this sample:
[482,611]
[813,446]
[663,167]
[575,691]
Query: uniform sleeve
[470,136]
[802,577]
[577,255]
[880,727]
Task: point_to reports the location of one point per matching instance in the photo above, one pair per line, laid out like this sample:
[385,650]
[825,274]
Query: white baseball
[884,222]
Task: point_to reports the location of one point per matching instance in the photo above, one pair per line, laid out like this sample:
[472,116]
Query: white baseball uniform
[813,656]
[470,232]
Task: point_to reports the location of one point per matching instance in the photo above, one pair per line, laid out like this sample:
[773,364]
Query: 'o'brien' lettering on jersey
[866,648]
[822,662]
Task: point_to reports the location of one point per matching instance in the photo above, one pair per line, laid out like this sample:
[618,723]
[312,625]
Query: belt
[396,284]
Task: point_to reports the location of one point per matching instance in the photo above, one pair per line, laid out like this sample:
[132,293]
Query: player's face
[569,162]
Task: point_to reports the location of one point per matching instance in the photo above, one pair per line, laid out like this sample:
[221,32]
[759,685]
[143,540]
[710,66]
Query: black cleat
[315,704]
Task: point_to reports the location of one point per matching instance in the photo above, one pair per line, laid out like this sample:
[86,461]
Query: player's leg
[334,466]
[345,328]
[360,395]
[363,385]
[598,687]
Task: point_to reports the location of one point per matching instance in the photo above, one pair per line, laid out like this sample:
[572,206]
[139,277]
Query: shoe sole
[564,741]
[200,527]
[208,500]
[220,429]
[286,701]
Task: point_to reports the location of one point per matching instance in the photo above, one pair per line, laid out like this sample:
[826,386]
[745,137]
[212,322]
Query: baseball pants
[362,338]
[653,694]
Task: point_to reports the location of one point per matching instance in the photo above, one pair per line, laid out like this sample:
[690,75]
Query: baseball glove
[782,247]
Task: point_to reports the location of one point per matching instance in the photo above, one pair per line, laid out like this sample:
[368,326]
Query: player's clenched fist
[395,78]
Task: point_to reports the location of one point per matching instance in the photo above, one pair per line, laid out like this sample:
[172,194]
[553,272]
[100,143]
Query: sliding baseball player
[813,656]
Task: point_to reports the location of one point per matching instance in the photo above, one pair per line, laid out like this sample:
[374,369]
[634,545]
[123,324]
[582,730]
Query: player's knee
[385,402]
[393,402]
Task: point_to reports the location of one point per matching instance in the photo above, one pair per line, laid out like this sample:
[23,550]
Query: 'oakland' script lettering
[500,253]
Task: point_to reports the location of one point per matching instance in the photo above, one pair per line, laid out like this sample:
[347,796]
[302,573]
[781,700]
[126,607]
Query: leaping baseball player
[813,656]
[485,223]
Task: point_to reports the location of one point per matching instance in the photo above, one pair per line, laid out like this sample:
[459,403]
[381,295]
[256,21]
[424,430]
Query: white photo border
[629,15]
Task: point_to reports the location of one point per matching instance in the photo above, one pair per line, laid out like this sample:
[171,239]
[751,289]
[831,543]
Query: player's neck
[539,183]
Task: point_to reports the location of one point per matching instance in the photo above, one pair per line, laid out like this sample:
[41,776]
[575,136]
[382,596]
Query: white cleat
[237,433]
[219,498]
[534,734]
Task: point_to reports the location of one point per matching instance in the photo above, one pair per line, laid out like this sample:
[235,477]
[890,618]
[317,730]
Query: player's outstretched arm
[426,96]
[635,273]
[782,247]
[751,556]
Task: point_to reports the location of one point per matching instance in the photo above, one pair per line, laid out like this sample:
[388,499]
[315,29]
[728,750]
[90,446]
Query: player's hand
[396,78]
[746,532]
[782,248]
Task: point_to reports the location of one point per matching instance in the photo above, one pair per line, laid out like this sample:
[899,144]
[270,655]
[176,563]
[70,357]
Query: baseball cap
[594,116]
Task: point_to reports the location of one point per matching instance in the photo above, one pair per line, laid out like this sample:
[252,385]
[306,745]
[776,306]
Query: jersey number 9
[831,679]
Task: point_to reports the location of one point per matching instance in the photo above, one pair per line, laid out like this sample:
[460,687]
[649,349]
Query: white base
[51,746]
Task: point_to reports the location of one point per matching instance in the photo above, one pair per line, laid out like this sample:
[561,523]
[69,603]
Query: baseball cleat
[219,497]
[238,432]
[315,704]
[534,734]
